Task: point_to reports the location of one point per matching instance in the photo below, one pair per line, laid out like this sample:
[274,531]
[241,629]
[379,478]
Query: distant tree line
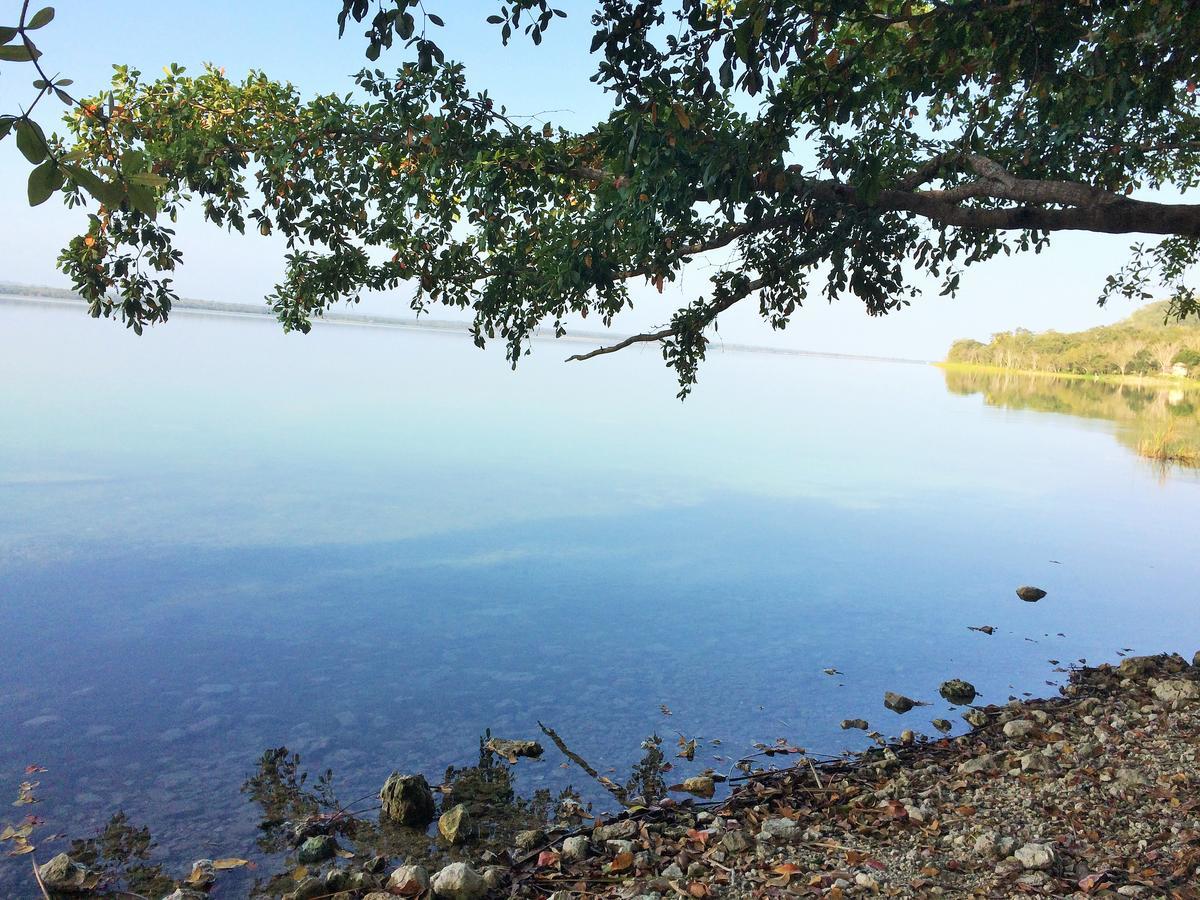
[1143,344]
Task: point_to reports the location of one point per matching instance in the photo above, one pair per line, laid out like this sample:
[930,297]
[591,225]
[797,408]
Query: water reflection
[1161,424]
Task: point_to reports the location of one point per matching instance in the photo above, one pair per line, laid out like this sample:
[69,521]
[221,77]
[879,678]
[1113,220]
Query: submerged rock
[855,723]
[1030,594]
[942,725]
[527,840]
[407,800]
[976,718]
[700,786]
[898,702]
[455,824]
[458,881]
[511,750]
[957,691]
[317,849]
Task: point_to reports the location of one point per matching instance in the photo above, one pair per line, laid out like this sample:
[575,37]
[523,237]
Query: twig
[38,876]
[608,784]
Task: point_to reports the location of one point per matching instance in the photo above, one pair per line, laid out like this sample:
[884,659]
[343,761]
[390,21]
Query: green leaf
[5,127]
[44,181]
[149,179]
[42,17]
[7,34]
[142,199]
[110,195]
[18,53]
[31,141]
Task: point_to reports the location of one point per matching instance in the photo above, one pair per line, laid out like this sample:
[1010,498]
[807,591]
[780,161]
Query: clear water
[372,545]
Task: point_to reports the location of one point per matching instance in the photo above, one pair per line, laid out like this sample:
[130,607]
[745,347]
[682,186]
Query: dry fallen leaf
[230,863]
[622,862]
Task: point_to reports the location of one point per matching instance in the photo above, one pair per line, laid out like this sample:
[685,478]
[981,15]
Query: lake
[372,545]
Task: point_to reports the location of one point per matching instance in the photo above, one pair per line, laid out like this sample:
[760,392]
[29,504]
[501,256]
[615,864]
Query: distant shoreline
[36,295]
[1150,381]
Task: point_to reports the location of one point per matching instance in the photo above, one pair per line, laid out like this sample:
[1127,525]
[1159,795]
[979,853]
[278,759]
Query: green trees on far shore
[1140,345]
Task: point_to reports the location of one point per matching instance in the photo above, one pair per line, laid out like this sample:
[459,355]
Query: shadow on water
[1160,424]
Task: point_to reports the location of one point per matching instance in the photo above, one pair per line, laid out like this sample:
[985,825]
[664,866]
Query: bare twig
[609,785]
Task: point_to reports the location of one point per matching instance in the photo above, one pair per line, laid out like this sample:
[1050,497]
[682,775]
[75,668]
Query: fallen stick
[609,785]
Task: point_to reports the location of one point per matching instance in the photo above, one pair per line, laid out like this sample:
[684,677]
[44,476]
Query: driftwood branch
[607,783]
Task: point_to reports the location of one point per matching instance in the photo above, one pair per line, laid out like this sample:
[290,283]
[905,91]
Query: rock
[408,881]
[779,830]
[64,874]
[310,888]
[957,691]
[672,871]
[458,881]
[1129,778]
[1018,728]
[375,864]
[1030,594]
[494,876]
[617,847]
[407,800]
[1035,856]
[336,880]
[185,894]
[855,723]
[1177,691]
[942,725]
[1035,762]
[575,848]
[317,849]
[511,750]
[898,702]
[976,718]
[626,829]
[455,824]
[379,895]
[1137,666]
[527,840]
[700,786]
[1196,659]
[986,762]
[907,736]
[735,841]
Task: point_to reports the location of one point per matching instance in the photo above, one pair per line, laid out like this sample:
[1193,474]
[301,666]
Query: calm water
[371,545]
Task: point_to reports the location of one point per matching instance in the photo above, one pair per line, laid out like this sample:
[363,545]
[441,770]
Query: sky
[297,41]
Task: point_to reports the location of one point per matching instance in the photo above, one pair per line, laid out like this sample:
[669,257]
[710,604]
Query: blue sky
[297,41]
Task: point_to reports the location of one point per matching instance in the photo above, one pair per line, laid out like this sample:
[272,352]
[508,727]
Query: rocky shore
[1094,793]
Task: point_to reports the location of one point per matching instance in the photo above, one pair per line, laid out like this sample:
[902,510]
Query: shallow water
[372,545]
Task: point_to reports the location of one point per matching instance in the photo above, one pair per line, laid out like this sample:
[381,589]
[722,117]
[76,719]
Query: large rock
[957,691]
[455,824]
[408,881]
[63,875]
[458,881]
[527,840]
[407,800]
[1178,690]
[700,786]
[1030,594]
[985,762]
[1035,856]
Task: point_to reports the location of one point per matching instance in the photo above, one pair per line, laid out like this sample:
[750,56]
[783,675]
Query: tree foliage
[844,148]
